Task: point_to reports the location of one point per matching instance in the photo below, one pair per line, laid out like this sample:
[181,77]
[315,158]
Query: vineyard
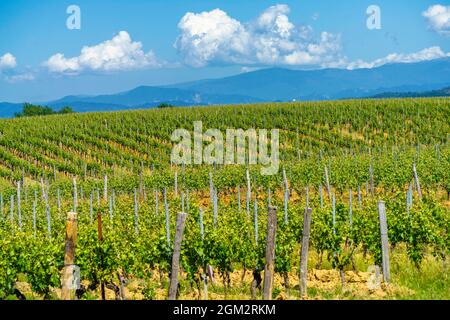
[339,158]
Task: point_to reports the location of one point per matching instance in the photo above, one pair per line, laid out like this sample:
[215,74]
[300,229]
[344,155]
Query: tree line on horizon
[32,110]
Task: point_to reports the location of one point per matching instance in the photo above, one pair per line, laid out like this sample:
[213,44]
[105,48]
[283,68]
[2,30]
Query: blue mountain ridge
[285,84]
[267,85]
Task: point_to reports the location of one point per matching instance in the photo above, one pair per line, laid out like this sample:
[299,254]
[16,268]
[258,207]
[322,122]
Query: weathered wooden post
[173,287]
[166,208]
[75,195]
[249,193]
[307,196]
[81,194]
[409,199]
[270,253]
[19,211]
[204,273]
[136,215]
[156,202]
[255,220]
[175,190]
[49,223]
[239,198]
[142,194]
[68,274]
[58,199]
[359,195]
[105,188]
[215,206]
[34,214]
[327,181]
[333,212]
[416,181]
[100,239]
[11,209]
[286,197]
[285,182]
[111,208]
[321,196]
[384,242]
[91,207]
[182,202]
[350,200]
[211,188]
[372,191]
[286,204]
[42,189]
[304,253]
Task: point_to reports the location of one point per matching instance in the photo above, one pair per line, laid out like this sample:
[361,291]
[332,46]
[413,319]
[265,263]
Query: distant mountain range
[286,85]
[433,93]
[274,84]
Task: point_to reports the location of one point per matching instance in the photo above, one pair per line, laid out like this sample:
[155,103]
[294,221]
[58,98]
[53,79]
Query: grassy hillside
[338,158]
[99,143]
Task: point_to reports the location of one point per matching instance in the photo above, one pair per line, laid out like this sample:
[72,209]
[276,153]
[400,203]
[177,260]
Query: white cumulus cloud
[213,37]
[438,17]
[9,71]
[119,53]
[423,55]
[7,61]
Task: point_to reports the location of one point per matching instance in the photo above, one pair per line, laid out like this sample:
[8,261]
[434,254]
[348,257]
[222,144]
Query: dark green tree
[31,110]
[66,110]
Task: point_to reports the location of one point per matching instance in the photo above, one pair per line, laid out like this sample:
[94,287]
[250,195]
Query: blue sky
[131,43]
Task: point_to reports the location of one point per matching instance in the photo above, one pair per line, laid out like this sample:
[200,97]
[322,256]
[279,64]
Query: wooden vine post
[372,190]
[173,286]
[270,253]
[304,253]
[416,181]
[68,274]
[384,242]
[327,181]
[204,273]
[100,239]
